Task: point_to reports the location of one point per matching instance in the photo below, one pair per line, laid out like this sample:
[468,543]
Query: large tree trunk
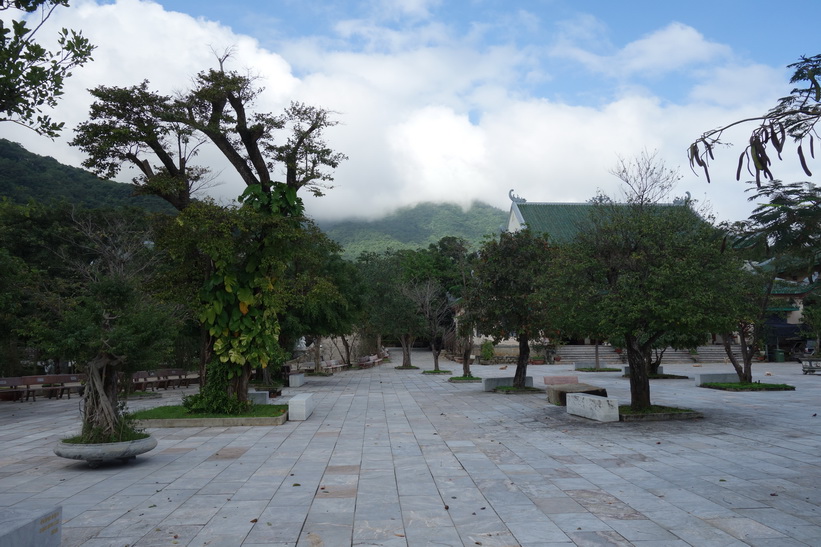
[435,351]
[101,416]
[598,364]
[744,370]
[639,380]
[466,352]
[406,341]
[521,362]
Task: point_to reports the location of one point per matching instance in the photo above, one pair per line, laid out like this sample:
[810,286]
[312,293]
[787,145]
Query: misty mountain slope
[415,227]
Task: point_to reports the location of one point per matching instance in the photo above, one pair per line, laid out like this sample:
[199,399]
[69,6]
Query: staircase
[586,356]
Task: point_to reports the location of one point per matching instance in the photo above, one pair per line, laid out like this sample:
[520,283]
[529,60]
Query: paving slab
[396,457]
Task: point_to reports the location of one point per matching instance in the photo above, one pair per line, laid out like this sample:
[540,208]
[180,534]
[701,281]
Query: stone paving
[399,458]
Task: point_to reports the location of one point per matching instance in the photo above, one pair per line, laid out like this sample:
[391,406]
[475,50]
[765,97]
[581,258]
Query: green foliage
[216,397]
[504,300]
[31,77]
[415,227]
[487,350]
[647,275]
[25,177]
[178,412]
[795,116]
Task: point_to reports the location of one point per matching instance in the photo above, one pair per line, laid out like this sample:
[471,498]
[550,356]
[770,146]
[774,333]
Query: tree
[31,77]
[111,320]
[642,273]
[433,306]
[794,116]
[386,308]
[241,262]
[505,301]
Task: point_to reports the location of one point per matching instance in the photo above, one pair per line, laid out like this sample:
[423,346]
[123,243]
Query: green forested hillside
[414,227]
[25,176]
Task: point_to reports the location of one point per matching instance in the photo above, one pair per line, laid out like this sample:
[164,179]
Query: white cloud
[667,50]
[436,118]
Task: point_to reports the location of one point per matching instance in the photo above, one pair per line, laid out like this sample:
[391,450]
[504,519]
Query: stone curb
[215,422]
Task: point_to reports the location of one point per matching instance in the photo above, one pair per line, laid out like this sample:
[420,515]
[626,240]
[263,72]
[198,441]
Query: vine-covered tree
[241,262]
[32,77]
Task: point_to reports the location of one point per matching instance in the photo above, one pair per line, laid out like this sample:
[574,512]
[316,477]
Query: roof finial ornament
[514,198]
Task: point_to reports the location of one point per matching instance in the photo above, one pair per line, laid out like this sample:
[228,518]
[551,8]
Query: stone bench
[557,394]
[601,409]
[296,379]
[722,377]
[489,384]
[31,526]
[259,397]
[301,406]
[555,380]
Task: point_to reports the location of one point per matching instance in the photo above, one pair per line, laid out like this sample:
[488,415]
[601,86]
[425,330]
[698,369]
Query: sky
[457,101]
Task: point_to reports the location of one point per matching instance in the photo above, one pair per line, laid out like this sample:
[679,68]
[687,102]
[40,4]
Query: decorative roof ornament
[683,201]
[514,198]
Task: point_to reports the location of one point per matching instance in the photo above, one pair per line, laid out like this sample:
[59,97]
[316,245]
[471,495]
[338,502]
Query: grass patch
[464,378]
[603,369]
[410,367]
[667,377]
[176,412]
[755,386]
[652,409]
[514,389]
[440,371]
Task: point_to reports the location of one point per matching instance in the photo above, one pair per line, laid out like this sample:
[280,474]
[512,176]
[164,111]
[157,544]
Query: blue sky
[459,101]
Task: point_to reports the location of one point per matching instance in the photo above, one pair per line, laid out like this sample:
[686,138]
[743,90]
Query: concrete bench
[31,526]
[721,377]
[259,397]
[554,380]
[296,379]
[489,384]
[557,394]
[601,409]
[301,406]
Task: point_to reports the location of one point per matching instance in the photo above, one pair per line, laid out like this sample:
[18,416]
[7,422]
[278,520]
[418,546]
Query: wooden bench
[369,361]
[67,384]
[144,380]
[14,386]
[333,365]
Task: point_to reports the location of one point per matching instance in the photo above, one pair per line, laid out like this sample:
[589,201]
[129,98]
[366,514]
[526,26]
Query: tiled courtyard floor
[394,457]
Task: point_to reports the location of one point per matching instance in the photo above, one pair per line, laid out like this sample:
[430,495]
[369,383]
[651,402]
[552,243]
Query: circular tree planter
[95,454]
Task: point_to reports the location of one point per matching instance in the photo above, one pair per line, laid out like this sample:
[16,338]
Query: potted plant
[108,320]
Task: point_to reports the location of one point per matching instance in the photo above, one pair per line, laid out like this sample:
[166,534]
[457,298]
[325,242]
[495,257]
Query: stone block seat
[301,406]
[557,394]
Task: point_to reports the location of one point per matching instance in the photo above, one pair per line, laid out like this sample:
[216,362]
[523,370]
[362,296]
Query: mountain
[415,227]
[25,176]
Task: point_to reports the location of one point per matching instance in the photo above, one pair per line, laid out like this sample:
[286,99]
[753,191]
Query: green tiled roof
[783,287]
[561,221]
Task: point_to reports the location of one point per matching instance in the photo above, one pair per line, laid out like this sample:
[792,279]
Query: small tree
[112,320]
[505,301]
[645,273]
